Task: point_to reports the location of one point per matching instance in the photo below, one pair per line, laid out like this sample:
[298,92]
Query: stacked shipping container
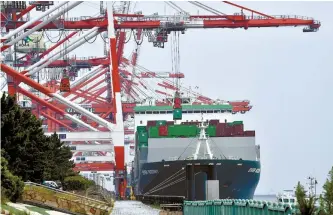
[167,129]
[141,136]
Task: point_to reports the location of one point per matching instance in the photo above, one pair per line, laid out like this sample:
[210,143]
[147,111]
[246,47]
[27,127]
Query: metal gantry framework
[122,80]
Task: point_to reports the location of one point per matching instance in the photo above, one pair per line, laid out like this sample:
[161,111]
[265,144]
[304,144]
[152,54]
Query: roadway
[133,208]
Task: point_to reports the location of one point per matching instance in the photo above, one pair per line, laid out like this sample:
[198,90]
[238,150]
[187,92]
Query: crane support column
[115,80]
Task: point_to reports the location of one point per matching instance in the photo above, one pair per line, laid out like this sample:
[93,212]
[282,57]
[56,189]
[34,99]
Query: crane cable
[175,56]
[147,85]
[179,8]
[175,7]
[167,80]
[207,8]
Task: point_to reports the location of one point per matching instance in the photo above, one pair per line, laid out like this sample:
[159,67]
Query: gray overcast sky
[285,73]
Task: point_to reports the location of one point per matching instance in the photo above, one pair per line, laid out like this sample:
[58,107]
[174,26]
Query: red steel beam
[101,91]
[95,90]
[91,94]
[94,167]
[25,11]
[41,101]
[79,86]
[57,121]
[22,78]
[101,99]
[121,44]
[90,98]
[163,93]
[90,88]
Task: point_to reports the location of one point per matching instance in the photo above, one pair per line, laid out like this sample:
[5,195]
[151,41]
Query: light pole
[313,185]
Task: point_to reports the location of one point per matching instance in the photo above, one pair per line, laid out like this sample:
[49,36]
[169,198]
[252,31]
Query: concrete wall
[172,148]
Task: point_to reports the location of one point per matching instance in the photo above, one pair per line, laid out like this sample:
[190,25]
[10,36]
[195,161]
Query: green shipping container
[190,130]
[238,123]
[177,114]
[198,131]
[143,145]
[153,132]
[238,206]
[143,137]
[161,122]
[141,128]
[182,130]
[172,130]
[211,131]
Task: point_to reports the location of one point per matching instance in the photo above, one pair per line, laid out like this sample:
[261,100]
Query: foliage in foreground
[11,186]
[326,199]
[30,154]
[77,183]
[306,204]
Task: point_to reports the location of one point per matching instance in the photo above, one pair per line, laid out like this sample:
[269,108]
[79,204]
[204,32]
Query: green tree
[60,155]
[326,199]
[7,103]
[11,186]
[306,203]
[30,154]
[23,141]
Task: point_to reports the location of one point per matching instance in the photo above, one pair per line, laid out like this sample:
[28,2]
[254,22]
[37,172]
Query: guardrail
[237,207]
[64,201]
[65,192]
[107,195]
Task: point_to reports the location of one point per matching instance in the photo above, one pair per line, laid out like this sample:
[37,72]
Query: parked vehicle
[51,184]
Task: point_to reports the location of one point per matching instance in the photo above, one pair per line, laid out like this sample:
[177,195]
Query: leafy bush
[11,186]
[77,183]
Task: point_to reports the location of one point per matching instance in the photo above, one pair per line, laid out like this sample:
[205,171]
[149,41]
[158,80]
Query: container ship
[203,142]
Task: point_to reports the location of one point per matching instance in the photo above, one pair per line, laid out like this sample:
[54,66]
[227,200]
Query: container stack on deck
[141,136]
[167,129]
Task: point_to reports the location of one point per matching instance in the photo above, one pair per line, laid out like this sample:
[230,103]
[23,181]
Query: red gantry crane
[108,73]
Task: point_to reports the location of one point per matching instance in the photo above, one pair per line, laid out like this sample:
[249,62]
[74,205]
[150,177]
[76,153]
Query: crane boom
[179,22]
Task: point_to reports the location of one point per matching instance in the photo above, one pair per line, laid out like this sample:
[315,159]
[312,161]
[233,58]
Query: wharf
[133,208]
